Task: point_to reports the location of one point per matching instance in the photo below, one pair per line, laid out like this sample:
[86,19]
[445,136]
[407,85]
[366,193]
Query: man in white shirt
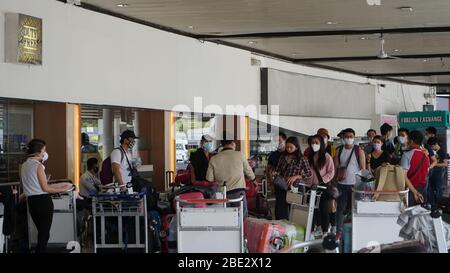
[121,158]
[89,181]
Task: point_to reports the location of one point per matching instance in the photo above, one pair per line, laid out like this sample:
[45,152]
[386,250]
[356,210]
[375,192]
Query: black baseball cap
[128,134]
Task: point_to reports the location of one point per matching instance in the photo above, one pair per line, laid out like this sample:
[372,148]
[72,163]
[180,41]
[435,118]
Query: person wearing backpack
[121,158]
[349,160]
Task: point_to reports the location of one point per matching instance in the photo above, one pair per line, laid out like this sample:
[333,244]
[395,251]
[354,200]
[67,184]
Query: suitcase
[296,233]
[154,231]
[259,207]
[165,229]
[264,236]
[192,195]
[347,238]
[251,189]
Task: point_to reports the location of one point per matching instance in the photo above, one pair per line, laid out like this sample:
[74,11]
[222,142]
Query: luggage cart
[214,229]
[64,224]
[375,222]
[303,203]
[118,206]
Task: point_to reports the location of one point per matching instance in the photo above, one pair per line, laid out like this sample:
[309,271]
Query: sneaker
[333,230]
[318,233]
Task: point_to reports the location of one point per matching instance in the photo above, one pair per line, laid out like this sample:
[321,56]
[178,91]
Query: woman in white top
[37,189]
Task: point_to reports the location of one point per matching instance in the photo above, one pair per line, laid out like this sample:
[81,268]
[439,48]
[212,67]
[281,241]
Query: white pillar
[108,132]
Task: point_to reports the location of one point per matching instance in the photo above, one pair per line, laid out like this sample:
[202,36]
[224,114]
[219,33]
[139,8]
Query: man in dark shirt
[436,177]
[368,149]
[429,133]
[386,131]
[274,157]
[200,159]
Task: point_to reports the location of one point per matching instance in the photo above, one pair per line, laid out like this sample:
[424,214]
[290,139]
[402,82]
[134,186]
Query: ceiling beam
[410,74]
[327,33]
[370,58]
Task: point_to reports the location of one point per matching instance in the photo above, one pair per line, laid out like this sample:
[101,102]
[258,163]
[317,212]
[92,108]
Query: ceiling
[335,34]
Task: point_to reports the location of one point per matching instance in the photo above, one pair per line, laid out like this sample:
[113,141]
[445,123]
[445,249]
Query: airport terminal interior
[224,126]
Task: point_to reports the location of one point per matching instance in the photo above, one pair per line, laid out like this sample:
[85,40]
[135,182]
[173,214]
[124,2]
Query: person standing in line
[36,189]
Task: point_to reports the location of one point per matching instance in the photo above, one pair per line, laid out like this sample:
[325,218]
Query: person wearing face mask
[401,145]
[371,133]
[36,189]
[436,178]
[323,172]
[377,157]
[274,157]
[349,160]
[231,167]
[429,133]
[386,131]
[89,181]
[200,159]
[292,167]
[121,158]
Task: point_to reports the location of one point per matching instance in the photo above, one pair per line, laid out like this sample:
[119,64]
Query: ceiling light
[425,60]
[123,5]
[406,9]
[251,42]
[396,50]
[331,23]
[191,27]
[364,38]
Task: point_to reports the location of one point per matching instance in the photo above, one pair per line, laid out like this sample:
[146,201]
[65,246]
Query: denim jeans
[344,204]
[434,189]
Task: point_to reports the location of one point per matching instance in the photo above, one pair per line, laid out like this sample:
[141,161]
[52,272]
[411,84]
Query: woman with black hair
[291,167]
[322,166]
[36,189]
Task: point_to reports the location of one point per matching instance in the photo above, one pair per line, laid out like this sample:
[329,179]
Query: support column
[108,132]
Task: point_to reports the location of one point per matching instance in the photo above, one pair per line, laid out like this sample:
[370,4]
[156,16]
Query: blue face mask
[208,146]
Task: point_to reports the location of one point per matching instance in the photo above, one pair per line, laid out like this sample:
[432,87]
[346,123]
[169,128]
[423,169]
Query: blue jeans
[344,204]
[434,193]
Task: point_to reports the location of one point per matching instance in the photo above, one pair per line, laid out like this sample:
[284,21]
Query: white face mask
[315,147]
[349,141]
[281,146]
[402,139]
[45,157]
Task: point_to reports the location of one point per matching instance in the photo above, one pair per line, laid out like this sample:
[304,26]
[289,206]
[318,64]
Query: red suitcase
[264,236]
[165,226]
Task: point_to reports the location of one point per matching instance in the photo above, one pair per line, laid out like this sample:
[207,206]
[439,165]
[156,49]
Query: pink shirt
[327,171]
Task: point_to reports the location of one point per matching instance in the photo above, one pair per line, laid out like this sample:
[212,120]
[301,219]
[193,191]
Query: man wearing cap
[200,159]
[230,167]
[121,158]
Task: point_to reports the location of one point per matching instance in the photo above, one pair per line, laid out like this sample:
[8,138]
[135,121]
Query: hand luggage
[154,228]
[264,236]
[295,233]
[192,195]
[251,190]
[390,178]
[166,219]
[258,206]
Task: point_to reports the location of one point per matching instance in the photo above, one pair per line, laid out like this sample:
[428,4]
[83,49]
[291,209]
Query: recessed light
[406,9]
[364,38]
[396,50]
[331,23]
[191,27]
[425,60]
[123,5]
[251,42]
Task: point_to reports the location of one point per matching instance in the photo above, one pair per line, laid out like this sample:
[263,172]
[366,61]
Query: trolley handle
[382,192]
[197,201]
[313,186]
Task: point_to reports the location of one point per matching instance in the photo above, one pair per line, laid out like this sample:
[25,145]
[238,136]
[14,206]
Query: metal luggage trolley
[303,203]
[375,221]
[119,205]
[214,229]
[64,224]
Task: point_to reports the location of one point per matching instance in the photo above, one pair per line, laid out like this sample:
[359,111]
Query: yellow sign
[30,40]
[23,39]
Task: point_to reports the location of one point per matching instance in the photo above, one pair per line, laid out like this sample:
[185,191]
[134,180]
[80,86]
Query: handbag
[341,173]
[331,191]
[280,182]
